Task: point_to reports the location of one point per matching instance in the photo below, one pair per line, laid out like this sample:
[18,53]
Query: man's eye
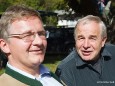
[27,35]
[42,34]
[93,38]
[80,38]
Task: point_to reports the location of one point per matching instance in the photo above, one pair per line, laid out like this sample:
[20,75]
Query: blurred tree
[92,7]
[3,5]
[44,5]
[83,7]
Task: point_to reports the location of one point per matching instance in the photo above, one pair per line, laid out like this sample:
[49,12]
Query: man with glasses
[23,40]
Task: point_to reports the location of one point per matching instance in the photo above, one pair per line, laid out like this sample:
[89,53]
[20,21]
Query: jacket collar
[22,78]
[104,53]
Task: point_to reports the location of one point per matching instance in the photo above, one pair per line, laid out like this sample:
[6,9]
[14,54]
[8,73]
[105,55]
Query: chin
[37,63]
[86,58]
[38,60]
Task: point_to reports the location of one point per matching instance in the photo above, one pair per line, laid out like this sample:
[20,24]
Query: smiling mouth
[37,51]
[86,53]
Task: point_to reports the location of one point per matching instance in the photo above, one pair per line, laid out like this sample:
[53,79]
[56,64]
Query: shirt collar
[43,71]
[104,53]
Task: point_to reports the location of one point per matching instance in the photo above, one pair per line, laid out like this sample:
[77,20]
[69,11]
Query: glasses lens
[29,37]
[47,34]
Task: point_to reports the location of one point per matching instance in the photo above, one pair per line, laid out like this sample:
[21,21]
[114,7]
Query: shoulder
[67,67]
[70,59]
[4,76]
[110,47]
[6,80]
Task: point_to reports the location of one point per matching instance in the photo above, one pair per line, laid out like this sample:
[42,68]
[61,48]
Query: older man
[92,63]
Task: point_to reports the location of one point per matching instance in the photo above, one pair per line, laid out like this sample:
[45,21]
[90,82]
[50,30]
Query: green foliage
[50,20]
[2,71]
[3,5]
[44,5]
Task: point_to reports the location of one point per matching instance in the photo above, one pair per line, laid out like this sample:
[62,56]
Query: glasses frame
[30,36]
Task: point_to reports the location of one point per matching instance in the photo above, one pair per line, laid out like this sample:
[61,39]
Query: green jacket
[13,78]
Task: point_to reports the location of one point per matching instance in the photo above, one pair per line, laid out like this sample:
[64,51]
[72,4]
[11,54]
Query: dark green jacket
[13,78]
[75,72]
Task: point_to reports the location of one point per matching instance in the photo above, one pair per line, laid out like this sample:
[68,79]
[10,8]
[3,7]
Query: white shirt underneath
[45,78]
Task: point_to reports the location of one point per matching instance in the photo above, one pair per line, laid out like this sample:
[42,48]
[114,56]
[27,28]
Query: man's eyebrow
[28,31]
[80,36]
[93,36]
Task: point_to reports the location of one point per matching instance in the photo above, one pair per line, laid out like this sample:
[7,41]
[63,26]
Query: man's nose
[86,43]
[38,40]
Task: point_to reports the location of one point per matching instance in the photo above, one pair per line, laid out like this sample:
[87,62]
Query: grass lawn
[51,61]
[1,71]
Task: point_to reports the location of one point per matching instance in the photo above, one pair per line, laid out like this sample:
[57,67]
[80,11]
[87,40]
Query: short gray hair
[96,19]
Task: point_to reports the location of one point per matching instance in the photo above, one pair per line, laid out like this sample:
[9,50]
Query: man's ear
[104,41]
[4,46]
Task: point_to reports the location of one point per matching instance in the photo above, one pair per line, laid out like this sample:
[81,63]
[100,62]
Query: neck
[33,70]
[92,62]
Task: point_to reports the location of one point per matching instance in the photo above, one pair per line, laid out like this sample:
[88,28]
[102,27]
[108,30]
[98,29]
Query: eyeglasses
[30,36]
